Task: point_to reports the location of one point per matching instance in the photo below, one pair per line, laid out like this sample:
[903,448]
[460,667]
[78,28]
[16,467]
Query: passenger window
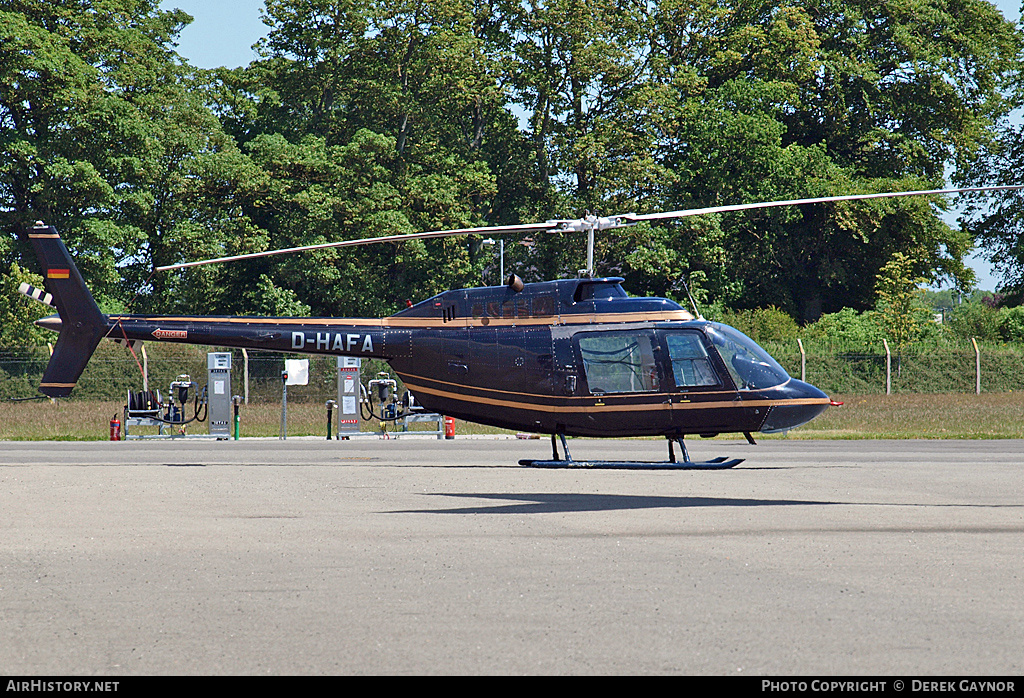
[691,366]
[544,306]
[522,308]
[619,362]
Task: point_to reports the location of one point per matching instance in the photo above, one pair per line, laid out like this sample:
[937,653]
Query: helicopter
[570,357]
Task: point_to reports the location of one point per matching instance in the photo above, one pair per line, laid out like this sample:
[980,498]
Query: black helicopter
[574,357]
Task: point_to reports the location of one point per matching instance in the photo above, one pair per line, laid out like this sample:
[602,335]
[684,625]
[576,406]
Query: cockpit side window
[691,366]
[750,366]
[620,362]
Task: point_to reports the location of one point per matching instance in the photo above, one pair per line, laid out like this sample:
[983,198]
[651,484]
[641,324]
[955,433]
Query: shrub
[1011,327]
[975,319]
[763,324]
[846,327]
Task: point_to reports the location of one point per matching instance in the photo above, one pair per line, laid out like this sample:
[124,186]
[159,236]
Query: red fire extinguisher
[449,427]
[115,429]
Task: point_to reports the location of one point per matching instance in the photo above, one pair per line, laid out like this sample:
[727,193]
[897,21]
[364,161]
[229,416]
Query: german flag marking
[58,273]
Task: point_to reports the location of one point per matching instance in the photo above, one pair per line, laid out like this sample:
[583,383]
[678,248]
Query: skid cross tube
[686,463]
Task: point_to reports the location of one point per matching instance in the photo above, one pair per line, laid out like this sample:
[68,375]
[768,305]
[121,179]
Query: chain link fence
[114,370]
[862,370]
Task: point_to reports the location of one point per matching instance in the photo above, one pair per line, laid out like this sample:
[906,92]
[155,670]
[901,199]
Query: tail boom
[82,325]
[334,336]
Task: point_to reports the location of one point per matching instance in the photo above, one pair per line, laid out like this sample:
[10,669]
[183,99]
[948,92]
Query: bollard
[237,401]
[284,405]
[331,404]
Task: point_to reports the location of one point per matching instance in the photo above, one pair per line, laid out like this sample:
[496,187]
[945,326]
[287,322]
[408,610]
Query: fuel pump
[384,387]
[390,408]
[146,408]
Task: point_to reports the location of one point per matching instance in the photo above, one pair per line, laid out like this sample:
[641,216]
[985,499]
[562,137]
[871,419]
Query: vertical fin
[82,323]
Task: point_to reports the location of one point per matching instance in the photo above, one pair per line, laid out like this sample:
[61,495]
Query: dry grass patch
[917,416]
[909,416]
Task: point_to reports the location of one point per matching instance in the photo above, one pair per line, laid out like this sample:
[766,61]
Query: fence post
[803,360]
[977,367]
[888,368]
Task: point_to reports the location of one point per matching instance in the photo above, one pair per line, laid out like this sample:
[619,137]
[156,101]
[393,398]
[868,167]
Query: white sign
[297,370]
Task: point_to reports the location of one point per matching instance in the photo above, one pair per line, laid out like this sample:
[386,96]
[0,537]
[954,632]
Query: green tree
[396,116]
[900,307]
[374,120]
[995,221]
[104,133]
[18,312]
[73,79]
[777,102]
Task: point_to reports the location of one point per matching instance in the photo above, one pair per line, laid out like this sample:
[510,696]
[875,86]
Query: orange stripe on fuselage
[399,322]
[581,407]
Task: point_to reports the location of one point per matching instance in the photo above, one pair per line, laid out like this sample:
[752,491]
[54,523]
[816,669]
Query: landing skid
[670,464]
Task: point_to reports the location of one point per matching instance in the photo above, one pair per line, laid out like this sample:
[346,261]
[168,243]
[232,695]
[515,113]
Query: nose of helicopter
[799,403]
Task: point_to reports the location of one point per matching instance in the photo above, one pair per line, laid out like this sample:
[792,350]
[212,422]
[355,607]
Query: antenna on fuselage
[696,310]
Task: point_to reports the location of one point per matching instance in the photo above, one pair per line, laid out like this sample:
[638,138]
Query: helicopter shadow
[550,503]
[553,503]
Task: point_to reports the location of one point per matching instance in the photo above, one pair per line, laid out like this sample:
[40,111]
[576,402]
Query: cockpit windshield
[750,366]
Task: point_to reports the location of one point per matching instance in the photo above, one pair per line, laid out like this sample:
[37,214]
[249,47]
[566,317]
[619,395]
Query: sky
[223,31]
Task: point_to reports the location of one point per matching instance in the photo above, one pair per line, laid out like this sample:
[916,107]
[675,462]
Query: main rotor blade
[487,230]
[589,223]
[636,218]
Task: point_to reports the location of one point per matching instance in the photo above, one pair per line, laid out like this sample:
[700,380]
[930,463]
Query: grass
[989,416]
[89,420]
[907,416]
[919,416]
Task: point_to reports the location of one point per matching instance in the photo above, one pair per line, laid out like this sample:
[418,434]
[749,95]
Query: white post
[888,368]
[803,360]
[145,368]
[284,406]
[245,358]
[977,367]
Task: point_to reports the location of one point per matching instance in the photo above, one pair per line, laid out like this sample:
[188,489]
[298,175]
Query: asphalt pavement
[426,556]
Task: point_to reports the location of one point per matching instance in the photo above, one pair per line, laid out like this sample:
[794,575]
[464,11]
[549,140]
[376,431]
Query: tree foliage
[17,314]
[393,116]
[900,307]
